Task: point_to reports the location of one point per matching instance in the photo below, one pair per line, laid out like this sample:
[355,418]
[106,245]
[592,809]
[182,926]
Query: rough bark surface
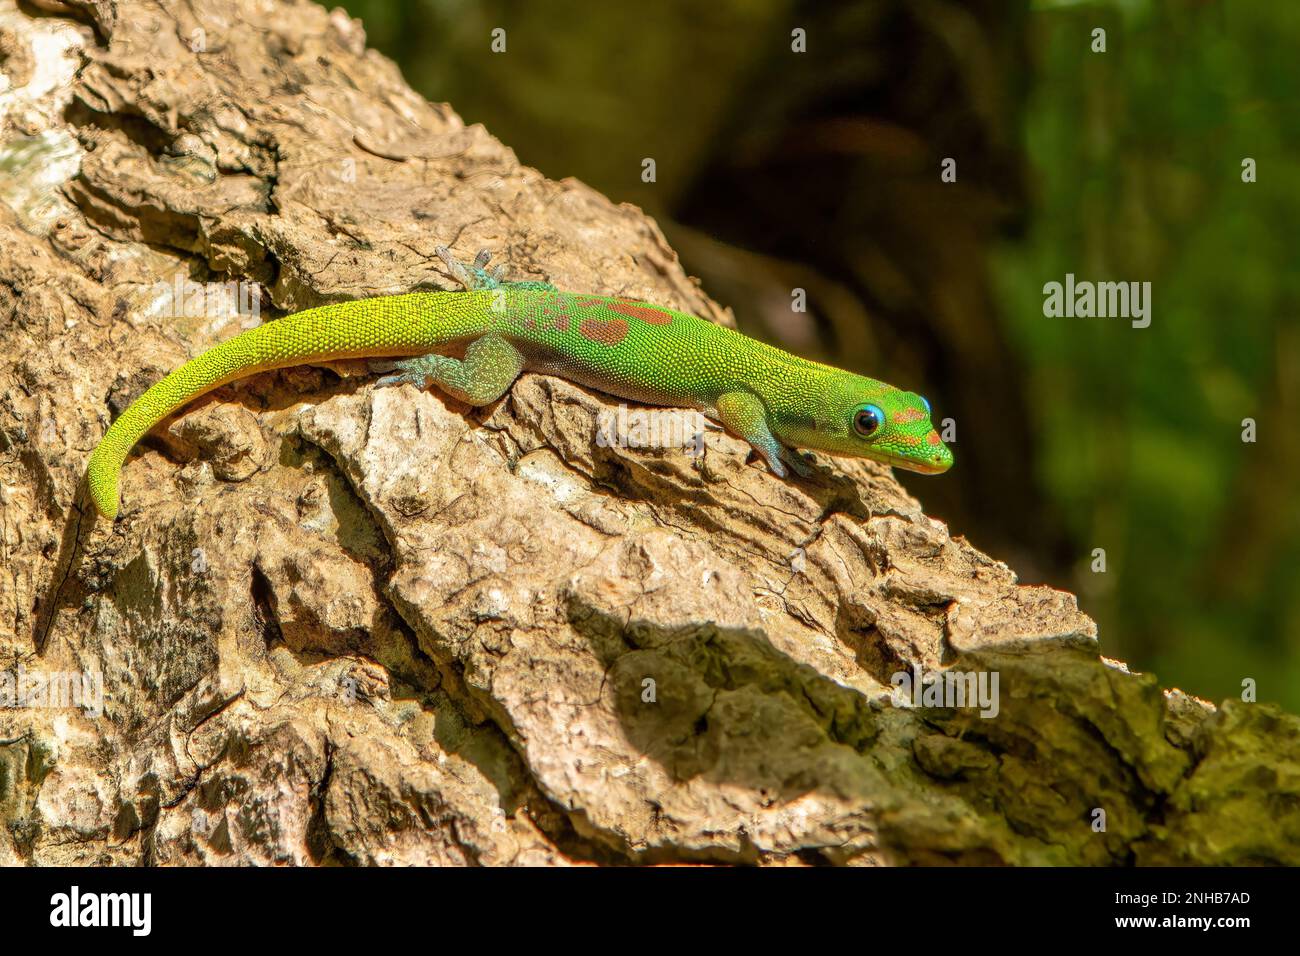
[342,625]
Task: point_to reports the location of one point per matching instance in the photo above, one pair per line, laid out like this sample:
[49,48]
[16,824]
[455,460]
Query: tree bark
[335,624]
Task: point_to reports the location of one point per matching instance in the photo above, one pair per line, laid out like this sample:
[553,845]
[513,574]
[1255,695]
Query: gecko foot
[476,275]
[800,464]
[419,371]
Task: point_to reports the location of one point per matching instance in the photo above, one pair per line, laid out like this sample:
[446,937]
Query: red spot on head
[646,313]
[909,415]
[933,437]
[604,331]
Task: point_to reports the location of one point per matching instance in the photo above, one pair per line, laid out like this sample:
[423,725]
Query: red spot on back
[646,313]
[562,314]
[604,331]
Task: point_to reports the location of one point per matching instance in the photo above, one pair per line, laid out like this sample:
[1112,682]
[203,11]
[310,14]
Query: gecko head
[868,419]
[896,429]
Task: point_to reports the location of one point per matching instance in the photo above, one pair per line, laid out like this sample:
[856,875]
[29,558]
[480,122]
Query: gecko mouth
[937,467]
[897,461]
[922,467]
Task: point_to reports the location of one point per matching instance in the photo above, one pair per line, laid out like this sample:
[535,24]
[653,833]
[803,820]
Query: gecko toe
[401,378]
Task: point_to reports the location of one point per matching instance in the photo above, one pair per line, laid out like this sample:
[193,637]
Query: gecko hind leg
[489,368]
[476,275]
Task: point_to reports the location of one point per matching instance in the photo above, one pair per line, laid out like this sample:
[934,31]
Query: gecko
[473,344]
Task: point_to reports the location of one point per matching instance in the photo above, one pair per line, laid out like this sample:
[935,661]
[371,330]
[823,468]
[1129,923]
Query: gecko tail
[400,325]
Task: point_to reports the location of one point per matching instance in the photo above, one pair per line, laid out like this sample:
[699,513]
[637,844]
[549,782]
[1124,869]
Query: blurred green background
[820,170]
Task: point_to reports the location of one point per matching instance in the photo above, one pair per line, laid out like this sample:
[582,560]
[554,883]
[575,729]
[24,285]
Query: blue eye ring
[867,420]
[926,402]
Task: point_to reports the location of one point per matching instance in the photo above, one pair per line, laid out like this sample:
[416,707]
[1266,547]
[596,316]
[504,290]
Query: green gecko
[474,344]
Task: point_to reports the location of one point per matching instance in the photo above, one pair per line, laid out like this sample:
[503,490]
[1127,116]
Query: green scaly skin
[474,344]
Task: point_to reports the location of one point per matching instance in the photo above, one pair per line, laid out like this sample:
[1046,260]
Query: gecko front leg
[744,415]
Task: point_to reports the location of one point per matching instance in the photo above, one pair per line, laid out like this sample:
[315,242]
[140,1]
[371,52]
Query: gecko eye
[867,420]
[926,402]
